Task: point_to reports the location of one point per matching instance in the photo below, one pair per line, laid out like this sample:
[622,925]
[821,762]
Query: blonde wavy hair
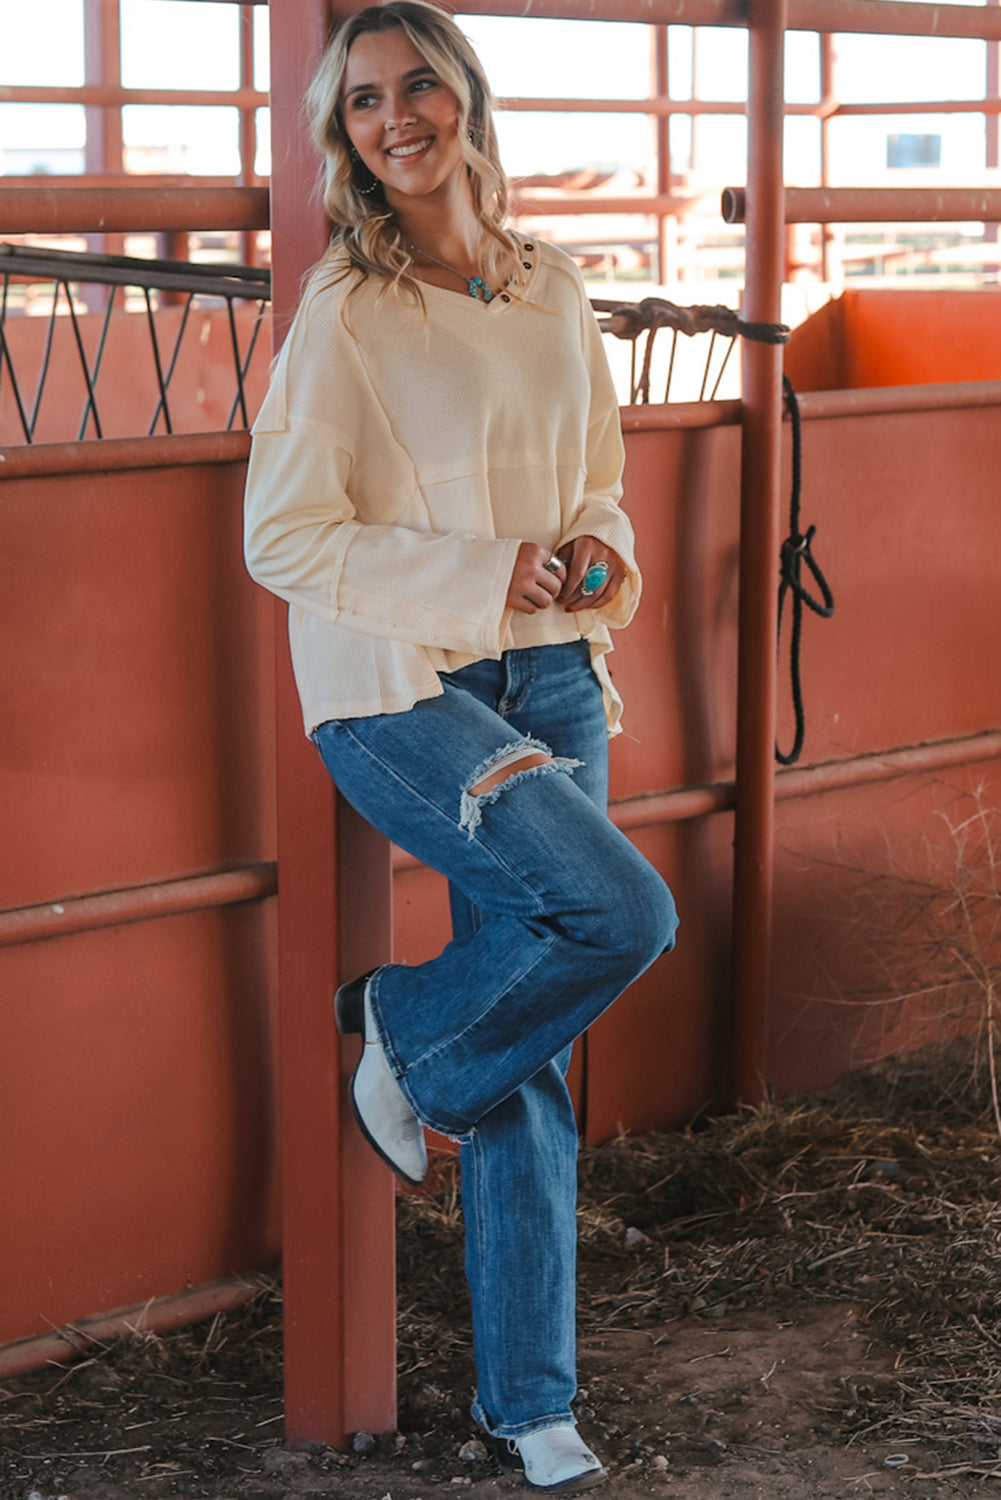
[364,224]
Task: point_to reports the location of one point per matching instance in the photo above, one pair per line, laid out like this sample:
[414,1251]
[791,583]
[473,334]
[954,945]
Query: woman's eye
[362,101]
[419,85]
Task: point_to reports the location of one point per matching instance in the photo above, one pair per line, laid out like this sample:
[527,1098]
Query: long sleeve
[303,541]
[307,538]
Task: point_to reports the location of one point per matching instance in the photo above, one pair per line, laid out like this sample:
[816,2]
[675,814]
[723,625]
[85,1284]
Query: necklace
[475,285]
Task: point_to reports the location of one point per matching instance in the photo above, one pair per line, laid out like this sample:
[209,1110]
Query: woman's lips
[407,149]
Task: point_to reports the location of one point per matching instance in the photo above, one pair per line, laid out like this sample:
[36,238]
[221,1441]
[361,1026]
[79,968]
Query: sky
[191,43]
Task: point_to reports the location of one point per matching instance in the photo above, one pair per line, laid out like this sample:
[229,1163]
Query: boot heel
[349,1005]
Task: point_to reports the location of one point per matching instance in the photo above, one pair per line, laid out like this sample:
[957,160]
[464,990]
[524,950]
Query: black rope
[795,552]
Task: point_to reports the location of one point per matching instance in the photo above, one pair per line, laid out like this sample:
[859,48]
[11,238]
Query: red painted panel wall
[137,1079]
[873,338]
[202,388]
[136,1076]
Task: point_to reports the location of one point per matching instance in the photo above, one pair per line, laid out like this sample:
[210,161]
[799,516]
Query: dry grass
[882,1194]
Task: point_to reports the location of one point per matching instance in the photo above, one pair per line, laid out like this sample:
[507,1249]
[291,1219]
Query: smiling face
[400,117]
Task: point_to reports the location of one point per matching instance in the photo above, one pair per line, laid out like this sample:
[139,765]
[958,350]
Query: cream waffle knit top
[402,455]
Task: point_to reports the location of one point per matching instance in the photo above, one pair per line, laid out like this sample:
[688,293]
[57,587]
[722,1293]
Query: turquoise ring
[594,578]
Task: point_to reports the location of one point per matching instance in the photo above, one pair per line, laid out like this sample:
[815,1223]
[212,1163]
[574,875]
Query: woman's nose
[399,114]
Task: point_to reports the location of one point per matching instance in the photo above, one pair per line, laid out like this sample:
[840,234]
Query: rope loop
[796,551]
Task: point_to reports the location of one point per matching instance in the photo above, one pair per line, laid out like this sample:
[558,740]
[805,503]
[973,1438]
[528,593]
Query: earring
[374,182]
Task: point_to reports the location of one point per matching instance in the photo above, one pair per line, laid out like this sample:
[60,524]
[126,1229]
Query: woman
[434,489]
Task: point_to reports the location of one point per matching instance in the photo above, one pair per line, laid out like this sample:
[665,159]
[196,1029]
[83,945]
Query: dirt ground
[793,1303]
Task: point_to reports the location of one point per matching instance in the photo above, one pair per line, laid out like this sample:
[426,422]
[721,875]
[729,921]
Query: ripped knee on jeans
[508,765]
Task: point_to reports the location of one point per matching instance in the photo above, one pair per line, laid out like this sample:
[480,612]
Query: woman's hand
[533,585]
[580,557]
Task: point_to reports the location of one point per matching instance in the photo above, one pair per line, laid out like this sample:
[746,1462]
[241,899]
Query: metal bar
[169,375]
[527,201]
[84,365]
[670,364]
[883,400]
[235,344]
[91,403]
[705,372]
[114,96]
[683,804]
[828,71]
[681,414]
[67,210]
[8,359]
[660,105]
[155,1315]
[646,12]
[754,829]
[985,106]
[121,455]
[854,205]
[248,123]
[661,89]
[722,368]
[162,404]
[242,369]
[25,262]
[893,18]
[139,903]
[333,911]
[884,765]
[88,179]
[116,455]
[46,358]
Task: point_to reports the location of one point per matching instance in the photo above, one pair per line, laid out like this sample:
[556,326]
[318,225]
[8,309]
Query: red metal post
[248,127]
[662,137]
[759,551]
[334,919]
[104,145]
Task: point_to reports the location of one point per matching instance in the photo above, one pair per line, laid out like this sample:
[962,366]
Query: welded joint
[507,758]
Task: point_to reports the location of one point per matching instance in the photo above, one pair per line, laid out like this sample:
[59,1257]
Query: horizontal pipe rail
[654,104]
[115,455]
[648,12]
[111,96]
[140,903]
[120,455]
[884,765]
[682,804]
[881,17]
[155,1315]
[854,205]
[527,201]
[894,18]
[891,399]
[667,416]
[891,17]
[121,210]
[820,405]
[112,181]
[663,105]
[249,282]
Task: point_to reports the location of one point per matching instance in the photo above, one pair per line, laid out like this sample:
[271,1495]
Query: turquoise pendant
[479,289]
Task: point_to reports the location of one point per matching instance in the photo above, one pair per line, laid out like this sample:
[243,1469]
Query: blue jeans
[554,915]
